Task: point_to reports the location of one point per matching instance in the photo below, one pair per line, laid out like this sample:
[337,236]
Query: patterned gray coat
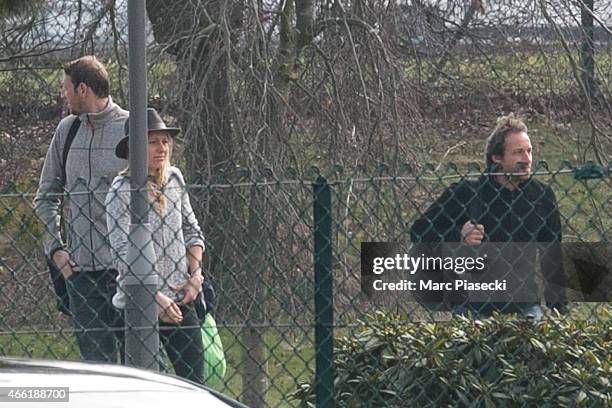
[173,232]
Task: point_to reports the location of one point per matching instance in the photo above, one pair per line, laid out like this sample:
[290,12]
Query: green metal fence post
[324,318]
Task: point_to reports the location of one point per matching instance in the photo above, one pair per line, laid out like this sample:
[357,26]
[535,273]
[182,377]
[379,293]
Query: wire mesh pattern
[280,82]
[260,257]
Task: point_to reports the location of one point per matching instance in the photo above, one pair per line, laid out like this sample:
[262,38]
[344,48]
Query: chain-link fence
[282,83]
[283,253]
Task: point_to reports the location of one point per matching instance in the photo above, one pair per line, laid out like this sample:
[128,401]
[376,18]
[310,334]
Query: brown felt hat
[154,123]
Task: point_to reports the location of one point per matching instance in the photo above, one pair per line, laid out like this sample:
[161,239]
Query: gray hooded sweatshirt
[90,167]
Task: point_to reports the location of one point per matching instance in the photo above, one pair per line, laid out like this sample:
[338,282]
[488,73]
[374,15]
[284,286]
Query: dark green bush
[497,362]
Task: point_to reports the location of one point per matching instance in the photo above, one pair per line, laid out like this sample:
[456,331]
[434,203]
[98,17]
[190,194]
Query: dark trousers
[99,326]
[183,344]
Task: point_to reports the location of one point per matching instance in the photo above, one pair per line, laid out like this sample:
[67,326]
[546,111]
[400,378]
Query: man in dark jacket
[511,207]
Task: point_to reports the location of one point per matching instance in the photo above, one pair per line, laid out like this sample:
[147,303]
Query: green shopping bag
[214,358]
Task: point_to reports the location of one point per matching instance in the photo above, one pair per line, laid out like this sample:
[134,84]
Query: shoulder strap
[74,128]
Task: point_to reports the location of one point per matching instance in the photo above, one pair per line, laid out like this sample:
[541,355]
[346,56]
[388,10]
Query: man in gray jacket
[85,261]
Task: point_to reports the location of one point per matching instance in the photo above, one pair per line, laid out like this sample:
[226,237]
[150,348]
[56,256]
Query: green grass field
[528,73]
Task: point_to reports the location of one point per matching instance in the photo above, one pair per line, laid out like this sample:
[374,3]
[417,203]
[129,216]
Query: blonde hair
[156,183]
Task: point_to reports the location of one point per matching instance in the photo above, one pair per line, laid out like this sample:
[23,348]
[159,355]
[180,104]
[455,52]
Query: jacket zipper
[91,241]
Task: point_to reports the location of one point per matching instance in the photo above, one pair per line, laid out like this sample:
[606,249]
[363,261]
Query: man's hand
[169,312]
[472,234]
[62,261]
[191,288]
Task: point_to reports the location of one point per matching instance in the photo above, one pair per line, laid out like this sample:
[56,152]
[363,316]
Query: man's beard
[75,108]
[519,167]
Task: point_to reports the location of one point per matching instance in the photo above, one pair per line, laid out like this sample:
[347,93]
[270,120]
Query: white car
[35,383]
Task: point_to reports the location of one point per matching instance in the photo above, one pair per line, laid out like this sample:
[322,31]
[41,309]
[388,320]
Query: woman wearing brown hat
[178,244]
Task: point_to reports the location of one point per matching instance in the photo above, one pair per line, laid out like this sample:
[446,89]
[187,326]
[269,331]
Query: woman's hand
[169,312]
[191,288]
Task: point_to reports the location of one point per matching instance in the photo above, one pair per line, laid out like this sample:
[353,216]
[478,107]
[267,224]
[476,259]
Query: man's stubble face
[517,157]
[71,97]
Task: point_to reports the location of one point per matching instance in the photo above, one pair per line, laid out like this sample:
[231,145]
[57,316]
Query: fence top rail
[358,174]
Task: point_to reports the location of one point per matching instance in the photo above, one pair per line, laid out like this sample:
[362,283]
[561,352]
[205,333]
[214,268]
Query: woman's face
[159,150]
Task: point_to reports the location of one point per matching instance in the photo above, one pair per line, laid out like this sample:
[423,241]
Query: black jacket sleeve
[550,237]
[442,221]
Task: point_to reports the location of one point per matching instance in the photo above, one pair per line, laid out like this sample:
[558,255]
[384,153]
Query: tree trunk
[254,358]
[587,52]
[254,373]
[304,13]
[204,65]
[192,33]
